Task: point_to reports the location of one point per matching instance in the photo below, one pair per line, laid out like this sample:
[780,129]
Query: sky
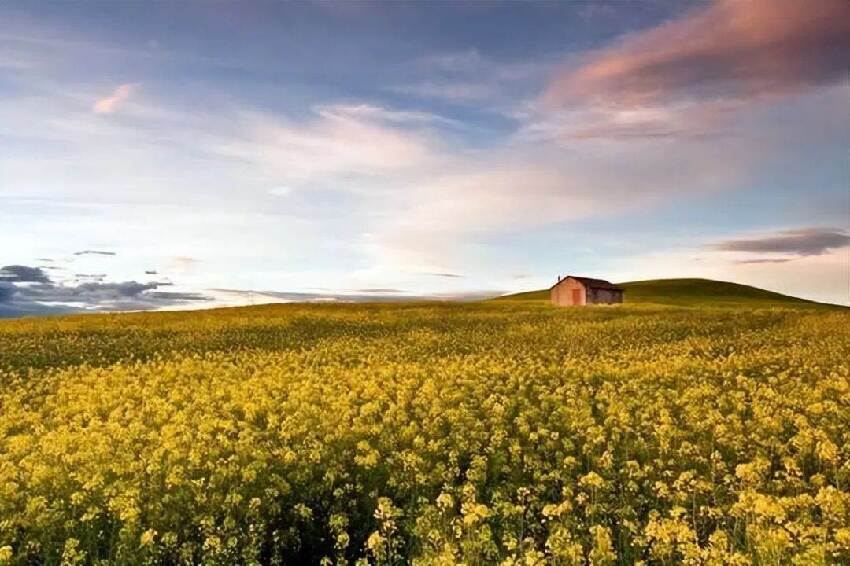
[192,154]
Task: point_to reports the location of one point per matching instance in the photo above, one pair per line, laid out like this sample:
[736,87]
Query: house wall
[562,293]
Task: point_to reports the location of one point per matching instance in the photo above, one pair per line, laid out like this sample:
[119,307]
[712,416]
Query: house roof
[591,283]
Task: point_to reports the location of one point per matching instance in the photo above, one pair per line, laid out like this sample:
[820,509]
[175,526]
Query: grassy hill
[702,291]
[686,292]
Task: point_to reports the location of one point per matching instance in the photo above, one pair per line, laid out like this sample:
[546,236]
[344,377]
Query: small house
[579,291]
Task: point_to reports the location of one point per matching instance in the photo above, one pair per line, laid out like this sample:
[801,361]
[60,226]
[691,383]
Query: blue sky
[351,150]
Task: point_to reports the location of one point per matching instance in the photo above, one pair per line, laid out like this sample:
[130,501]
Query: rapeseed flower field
[491,433]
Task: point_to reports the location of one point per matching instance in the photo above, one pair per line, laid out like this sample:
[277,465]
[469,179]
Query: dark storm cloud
[150,272]
[802,242]
[447,275]
[94,252]
[27,291]
[7,290]
[23,274]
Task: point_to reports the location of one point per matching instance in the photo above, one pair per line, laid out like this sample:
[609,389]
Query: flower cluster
[427,434]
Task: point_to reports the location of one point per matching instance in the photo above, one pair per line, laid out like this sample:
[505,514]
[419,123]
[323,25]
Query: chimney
[559,278]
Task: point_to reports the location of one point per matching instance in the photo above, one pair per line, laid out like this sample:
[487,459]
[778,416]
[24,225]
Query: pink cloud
[109,104]
[732,48]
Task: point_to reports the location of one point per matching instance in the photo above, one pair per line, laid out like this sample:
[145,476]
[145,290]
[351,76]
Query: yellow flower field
[431,434]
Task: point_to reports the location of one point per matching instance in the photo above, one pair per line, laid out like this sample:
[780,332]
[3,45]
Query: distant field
[505,432]
[686,292]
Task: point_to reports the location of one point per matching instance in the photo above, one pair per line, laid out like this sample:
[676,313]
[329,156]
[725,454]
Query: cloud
[93,252]
[764,260]
[281,191]
[184,262]
[731,48]
[363,296]
[39,295]
[122,296]
[109,104]
[675,120]
[529,185]
[7,291]
[802,242]
[338,143]
[689,77]
[381,114]
[23,274]
[447,275]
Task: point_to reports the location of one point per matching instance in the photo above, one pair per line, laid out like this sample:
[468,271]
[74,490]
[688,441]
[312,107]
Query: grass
[687,292]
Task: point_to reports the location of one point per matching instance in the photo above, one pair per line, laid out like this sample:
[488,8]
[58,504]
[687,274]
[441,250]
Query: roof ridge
[591,282]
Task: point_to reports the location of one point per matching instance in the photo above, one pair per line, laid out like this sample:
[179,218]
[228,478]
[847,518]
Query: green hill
[686,292]
[702,291]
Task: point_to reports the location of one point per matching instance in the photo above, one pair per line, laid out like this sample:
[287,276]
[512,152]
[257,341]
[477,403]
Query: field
[500,432]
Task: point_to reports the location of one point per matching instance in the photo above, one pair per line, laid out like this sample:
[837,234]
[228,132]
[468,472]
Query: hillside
[686,292]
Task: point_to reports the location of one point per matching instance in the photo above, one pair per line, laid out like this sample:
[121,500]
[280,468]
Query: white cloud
[384,115]
[338,141]
[111,103]
[281,191]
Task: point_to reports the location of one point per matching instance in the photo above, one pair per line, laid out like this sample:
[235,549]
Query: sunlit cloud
[729,48]
[111,103]
[690,76]
[339,141]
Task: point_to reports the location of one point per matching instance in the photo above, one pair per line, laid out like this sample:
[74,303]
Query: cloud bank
[23,274]
[800,242]
[28,290]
